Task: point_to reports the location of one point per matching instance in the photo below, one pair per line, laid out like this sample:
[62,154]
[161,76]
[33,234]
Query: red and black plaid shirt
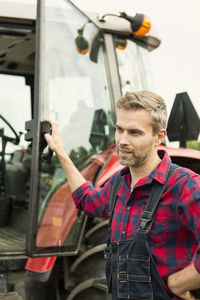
[175,234]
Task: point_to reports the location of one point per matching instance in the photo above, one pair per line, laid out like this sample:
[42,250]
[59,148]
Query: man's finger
[47,137]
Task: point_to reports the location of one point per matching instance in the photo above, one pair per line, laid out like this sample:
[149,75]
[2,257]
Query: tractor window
[14,175]
[15,108]
[74,93]
[137,77]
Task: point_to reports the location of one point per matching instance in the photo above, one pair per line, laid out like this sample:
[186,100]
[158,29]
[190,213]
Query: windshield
[139,76]
[76,89]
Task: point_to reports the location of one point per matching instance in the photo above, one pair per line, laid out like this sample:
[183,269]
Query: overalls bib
[131,272]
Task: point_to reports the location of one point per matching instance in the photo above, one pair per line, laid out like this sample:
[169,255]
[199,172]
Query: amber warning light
[82,44]
[140,23]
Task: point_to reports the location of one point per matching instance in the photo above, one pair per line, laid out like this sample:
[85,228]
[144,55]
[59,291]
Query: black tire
[35,290]
[89,268]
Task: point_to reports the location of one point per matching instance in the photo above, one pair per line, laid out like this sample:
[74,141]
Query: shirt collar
[160,173]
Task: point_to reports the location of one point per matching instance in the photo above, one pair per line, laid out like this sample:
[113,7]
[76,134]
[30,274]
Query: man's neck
[144,170]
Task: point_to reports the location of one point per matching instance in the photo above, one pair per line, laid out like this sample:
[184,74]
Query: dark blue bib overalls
[131,272]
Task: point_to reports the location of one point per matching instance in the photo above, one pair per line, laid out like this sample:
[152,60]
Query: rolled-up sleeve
[93,201]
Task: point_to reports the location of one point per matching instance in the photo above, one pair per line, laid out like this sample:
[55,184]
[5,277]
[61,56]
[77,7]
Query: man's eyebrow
[135,130]
[129,129]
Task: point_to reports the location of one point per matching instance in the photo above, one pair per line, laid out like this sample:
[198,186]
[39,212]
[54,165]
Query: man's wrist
[184,281]
[172,284]
[61,153]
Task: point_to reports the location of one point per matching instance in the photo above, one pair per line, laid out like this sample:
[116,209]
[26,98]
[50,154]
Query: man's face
[136,144]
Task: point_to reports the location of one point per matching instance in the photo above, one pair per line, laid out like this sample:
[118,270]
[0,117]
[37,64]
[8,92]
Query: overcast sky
[176,63]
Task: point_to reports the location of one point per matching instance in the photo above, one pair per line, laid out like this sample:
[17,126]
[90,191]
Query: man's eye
[119,129]
[133,132]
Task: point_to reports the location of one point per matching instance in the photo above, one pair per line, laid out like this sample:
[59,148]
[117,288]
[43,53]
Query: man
[158,263]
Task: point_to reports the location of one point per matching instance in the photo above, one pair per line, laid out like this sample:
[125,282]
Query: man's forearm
[183,281]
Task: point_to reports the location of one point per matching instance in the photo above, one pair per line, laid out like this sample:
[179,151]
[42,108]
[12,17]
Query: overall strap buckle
[146,218]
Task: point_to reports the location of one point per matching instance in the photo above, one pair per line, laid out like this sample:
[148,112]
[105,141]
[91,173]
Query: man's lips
[124,152]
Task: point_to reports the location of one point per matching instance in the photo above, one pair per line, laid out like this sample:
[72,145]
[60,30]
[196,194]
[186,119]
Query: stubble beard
[135,160]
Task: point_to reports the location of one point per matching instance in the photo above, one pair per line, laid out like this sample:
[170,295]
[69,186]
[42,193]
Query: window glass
[15,107]
[76,88]
[138,76]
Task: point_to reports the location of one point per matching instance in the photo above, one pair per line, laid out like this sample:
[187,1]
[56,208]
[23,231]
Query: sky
[175,64]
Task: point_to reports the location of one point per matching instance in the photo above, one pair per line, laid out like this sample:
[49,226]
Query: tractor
[58,62]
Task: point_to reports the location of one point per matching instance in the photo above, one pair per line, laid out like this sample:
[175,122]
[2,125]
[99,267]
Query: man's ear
[161,135]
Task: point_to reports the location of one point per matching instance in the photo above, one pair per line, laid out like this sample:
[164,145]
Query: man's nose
[124,139]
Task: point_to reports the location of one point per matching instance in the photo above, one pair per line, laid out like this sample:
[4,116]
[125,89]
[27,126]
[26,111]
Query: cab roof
[23,9]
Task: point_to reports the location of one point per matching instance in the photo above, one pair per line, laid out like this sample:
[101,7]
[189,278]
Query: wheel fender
[41,264]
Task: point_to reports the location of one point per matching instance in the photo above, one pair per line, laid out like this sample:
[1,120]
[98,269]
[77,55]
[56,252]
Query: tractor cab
[69,66]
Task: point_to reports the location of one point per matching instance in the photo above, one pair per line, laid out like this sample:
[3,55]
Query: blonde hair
[149,101]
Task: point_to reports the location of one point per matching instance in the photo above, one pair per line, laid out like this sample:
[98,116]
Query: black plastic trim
[33,206]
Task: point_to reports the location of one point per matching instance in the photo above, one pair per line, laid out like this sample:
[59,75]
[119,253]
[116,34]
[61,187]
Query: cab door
[71,88]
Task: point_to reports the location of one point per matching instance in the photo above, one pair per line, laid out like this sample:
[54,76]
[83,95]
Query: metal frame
[112,70]
[33,207]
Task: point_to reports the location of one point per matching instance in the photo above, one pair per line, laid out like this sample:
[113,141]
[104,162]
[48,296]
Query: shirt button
[123,232]
[128,208]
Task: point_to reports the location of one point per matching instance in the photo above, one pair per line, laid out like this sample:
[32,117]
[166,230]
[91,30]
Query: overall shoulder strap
[115,188]
[113,196]
[155,196]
